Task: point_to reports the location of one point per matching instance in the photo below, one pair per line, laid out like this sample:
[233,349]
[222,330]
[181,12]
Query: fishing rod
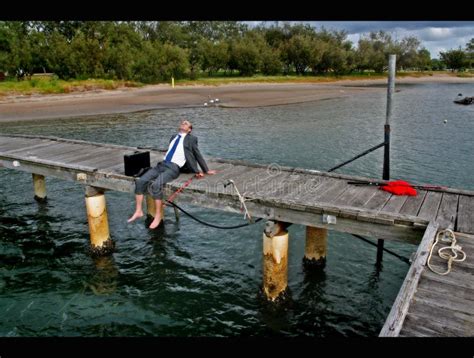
[425,187]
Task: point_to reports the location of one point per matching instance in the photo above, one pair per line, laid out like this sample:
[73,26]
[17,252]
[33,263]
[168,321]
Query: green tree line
[154,51]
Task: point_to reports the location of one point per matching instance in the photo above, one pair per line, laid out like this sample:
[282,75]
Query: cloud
[436,36]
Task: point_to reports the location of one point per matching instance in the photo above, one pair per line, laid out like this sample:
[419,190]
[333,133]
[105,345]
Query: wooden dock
[433,305]
[276,193]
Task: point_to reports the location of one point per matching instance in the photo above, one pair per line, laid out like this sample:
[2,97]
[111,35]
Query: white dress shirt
[178,156]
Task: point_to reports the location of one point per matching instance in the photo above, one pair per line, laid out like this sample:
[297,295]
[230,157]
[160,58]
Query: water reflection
[276,316]
[104,280]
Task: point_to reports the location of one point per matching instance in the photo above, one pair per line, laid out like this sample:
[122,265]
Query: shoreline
[162,96]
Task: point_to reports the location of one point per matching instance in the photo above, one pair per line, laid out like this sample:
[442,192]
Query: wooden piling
[39,184]
[101,243]
[150,206]
[275,265]
[316,246]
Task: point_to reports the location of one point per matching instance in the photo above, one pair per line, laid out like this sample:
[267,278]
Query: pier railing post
[275,261]
[101,243]
[315,247]
[386,154]
[39,184]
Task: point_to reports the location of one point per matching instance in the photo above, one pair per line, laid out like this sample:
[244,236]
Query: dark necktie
[173,149]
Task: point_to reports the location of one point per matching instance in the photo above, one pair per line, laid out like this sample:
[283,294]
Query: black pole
[386,153]
[404,259]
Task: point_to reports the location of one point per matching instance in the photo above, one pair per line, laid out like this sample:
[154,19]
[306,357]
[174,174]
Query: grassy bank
[222,79]
[48,85]
[55,86]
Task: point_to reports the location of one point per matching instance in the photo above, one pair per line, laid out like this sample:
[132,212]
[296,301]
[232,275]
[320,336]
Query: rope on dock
[213,225]
[242,206]
[455,249]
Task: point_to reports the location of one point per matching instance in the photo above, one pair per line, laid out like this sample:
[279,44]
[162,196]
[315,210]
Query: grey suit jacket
[192,154]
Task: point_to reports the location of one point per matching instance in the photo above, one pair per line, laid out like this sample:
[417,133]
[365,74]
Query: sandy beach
[36,107]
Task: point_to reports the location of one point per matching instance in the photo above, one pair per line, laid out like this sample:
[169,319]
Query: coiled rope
[454,250]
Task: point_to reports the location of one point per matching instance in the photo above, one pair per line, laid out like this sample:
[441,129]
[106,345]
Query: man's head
[185,126]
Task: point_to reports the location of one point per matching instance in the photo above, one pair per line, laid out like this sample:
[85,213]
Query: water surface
[191,280]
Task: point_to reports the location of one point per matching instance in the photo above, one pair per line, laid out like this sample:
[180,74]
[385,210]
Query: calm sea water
[190,280]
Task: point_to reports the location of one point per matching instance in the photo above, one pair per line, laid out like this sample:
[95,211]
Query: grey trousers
[153,180]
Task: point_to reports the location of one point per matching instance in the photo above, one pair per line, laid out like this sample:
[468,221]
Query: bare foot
[154,224]
[136,215]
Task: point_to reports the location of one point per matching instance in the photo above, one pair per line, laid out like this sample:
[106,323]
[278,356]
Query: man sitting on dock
[182,156]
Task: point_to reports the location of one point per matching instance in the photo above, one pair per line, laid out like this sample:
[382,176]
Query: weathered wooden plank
[447,287]
[447,211]
[417,331]
[71,152]
[28,149]
[64,140]
[218,180]
[378,200]
[6,140]
[429,208]
[394,321]
[304,186]
[425,307]
[246,176]
[257,187]
[465,220]
[54,148]
[109,156]
[376,217]
[315,186]
[8,160]
[460,279]
[117,168]
[283,185]
[413,203]
[464,236]
[241,178]
[464,241]
[105,161]
[347,195]
[394,204]
[363,196]
[6,146]
[217,166]
[333,190]
[443,300]
[442,329]
[84,159]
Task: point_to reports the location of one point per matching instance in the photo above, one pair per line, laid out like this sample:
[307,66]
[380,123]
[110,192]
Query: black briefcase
[134,163]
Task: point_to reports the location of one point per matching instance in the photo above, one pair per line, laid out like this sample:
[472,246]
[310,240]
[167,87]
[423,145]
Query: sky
[436,36]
